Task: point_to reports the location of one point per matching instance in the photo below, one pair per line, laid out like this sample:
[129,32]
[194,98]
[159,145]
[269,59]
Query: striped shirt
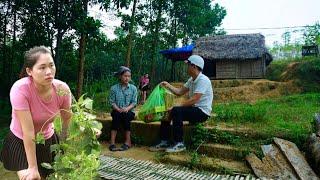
[123,96]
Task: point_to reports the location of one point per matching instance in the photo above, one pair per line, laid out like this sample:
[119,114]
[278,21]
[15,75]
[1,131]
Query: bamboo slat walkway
[125,168]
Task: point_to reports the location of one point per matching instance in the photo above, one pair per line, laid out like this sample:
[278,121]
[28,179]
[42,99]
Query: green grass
[306,73]
[289,117]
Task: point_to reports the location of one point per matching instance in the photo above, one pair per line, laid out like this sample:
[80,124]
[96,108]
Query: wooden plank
[296,159]
[256,165]
[285,169]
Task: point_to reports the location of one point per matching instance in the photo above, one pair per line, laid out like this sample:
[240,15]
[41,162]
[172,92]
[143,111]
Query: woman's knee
[115,124]
[127,126]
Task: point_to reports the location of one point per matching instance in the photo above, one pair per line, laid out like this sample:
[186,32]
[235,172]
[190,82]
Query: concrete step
[223,151]
[217,165]
[148,133]
[141,132]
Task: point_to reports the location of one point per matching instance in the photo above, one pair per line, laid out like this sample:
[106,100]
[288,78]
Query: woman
[144,87]
[123,99]
[36,99]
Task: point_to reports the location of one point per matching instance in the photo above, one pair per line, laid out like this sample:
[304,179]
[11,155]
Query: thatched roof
[231,47]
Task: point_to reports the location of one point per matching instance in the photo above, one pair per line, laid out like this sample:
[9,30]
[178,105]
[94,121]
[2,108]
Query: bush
[275,70]
[5,110]
[305,72]
[309,75]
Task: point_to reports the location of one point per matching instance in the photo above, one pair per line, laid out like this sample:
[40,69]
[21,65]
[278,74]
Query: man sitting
[196,109]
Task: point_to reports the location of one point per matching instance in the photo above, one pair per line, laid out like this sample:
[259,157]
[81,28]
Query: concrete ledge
[222,151]
[216,165]
[141,132]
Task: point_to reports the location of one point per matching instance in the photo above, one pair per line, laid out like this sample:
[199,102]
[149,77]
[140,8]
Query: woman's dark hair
[31,57]
[122,70]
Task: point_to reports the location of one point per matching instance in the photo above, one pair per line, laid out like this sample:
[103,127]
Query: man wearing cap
[197,108]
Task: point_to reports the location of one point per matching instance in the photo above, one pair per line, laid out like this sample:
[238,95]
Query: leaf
[54,148]
[80,100]
[90,116]
[87,103]
[96,124]
[64,170]
[57,124]
[46,165]
[40,138]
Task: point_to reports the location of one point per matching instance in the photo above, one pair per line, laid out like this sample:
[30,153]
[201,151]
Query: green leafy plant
[76,156]
[194,160]
[199,135]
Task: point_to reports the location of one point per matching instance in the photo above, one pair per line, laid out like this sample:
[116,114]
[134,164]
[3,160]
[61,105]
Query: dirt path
[7,175]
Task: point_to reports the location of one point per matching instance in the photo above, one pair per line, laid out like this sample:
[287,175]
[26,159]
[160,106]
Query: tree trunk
[58,51]
[141,60]
[131,34]
[5,77]
[156,39]
[81,64]
[10,66]
[82,48]
[60,32]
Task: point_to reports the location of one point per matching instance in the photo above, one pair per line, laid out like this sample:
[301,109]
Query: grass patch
[304,71]
[288,117]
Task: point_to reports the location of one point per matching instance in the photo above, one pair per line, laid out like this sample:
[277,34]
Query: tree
[131,33]
[286,38]
[195,18]
[312,34]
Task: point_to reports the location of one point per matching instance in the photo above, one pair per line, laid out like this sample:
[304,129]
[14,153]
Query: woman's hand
[120,110]
[125,110]
[98,132]
[29,174]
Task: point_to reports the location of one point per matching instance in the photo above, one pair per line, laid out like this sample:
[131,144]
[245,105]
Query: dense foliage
[83,54]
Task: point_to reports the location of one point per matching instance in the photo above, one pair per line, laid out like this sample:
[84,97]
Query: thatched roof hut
[235,56]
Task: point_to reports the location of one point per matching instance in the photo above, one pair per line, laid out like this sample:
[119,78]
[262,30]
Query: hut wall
[226,69]
[240,69]
[258,68]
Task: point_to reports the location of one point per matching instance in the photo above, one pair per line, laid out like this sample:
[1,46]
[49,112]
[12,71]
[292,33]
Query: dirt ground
[7,175]
[255,90]
[249,90]
[135,152]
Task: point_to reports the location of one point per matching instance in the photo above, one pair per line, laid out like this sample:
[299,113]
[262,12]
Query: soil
[238,90]
[135,152]
[7,175]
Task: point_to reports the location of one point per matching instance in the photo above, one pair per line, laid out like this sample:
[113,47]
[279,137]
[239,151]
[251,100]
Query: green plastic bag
[155,107]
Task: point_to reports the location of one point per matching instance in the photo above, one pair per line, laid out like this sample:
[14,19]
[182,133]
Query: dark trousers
[123,119]
[178,115]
